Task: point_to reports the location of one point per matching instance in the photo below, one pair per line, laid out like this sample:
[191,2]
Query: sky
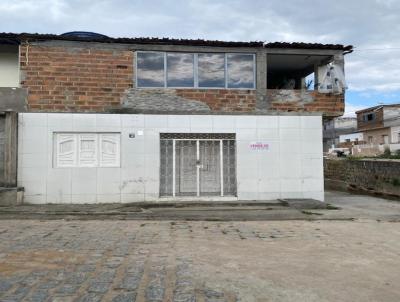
[371,26]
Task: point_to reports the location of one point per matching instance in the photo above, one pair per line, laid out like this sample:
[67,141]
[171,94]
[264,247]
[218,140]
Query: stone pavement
[199,261]
[149,260]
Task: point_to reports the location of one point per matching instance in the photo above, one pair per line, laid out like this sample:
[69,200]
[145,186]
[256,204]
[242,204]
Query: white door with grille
[197,165]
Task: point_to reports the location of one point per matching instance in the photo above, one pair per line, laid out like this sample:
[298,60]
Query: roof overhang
[16,38]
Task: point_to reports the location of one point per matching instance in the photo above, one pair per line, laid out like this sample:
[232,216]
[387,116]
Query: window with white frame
[195,70]
[86,149]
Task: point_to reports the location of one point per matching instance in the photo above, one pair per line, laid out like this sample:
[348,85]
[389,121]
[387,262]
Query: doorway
[197,164]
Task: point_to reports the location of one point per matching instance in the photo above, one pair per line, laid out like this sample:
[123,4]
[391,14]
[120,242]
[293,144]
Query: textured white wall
[291,168]
[9,66]
[395,132]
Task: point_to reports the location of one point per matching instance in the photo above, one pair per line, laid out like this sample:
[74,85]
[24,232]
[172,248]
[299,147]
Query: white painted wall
[395,134]
[291,168]
[9,66]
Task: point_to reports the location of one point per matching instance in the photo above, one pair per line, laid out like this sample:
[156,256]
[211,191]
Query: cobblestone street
[199,261]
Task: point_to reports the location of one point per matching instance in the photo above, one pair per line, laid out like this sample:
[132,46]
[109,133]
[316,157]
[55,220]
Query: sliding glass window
[240,71]
[150,69]
[195,70]
[180,70]
[211,70]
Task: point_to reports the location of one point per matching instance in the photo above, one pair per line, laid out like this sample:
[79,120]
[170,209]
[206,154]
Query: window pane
[109,150]
[65,150]
[211,70]
[88,150]
[150,69]
[240,71]
[180,70]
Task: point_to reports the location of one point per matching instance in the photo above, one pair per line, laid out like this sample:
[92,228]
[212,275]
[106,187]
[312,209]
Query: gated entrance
[197,164]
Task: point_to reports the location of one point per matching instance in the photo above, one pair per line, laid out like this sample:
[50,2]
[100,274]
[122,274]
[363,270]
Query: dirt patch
[32,260]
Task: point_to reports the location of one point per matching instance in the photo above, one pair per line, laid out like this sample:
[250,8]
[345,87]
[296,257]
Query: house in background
[143,119]
[335,128]
[380,125]
[378,128]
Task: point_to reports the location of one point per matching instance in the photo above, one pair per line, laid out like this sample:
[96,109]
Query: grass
[381,156]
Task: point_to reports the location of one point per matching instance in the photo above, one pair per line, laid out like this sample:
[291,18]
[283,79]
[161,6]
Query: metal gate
[197,164]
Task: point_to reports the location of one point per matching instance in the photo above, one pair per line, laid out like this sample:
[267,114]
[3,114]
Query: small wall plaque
[259,146]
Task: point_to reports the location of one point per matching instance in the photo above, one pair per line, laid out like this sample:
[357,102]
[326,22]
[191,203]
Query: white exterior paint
[352,137]
[291,166]
[9,66]
[395,134]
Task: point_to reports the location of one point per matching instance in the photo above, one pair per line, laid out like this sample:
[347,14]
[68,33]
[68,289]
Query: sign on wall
[259,146]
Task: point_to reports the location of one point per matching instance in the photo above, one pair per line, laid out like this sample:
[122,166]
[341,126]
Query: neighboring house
[143,119]
[335,128]
[353,138]
[380,125]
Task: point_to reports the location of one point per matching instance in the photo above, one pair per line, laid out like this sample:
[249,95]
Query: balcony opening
[294,72]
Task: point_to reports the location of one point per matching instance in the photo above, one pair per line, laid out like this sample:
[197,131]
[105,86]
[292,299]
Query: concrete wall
[297,100]
[13,99]
[377,135]
[9,66]
[391,116]
[290,168]
[374,176]
[2,146]
[395,134]
[353,137]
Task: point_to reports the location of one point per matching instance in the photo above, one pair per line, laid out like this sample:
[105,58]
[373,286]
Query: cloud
[350,110]
[369,25]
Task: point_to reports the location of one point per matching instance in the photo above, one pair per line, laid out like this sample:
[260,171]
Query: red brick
[89,75]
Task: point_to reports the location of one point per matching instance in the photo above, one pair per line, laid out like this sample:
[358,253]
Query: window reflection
[240,71]
[211,70]
[150,69]
[180,70]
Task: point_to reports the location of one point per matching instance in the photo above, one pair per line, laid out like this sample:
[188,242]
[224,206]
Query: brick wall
[83,79]
[74,79]
[373,176]
[376,123]
[306,101]
[222,99]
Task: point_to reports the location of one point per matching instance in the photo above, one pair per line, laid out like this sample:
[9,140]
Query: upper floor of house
[86,72]
[333,128]
[377,117]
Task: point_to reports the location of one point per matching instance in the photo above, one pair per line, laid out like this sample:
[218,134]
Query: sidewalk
[338,206]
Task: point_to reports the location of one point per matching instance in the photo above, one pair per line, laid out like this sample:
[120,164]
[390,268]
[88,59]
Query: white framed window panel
[87,150]
[109,149]
[66,150]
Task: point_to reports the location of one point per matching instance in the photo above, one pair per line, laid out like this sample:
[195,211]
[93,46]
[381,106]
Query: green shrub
[352,157]
[386,153]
